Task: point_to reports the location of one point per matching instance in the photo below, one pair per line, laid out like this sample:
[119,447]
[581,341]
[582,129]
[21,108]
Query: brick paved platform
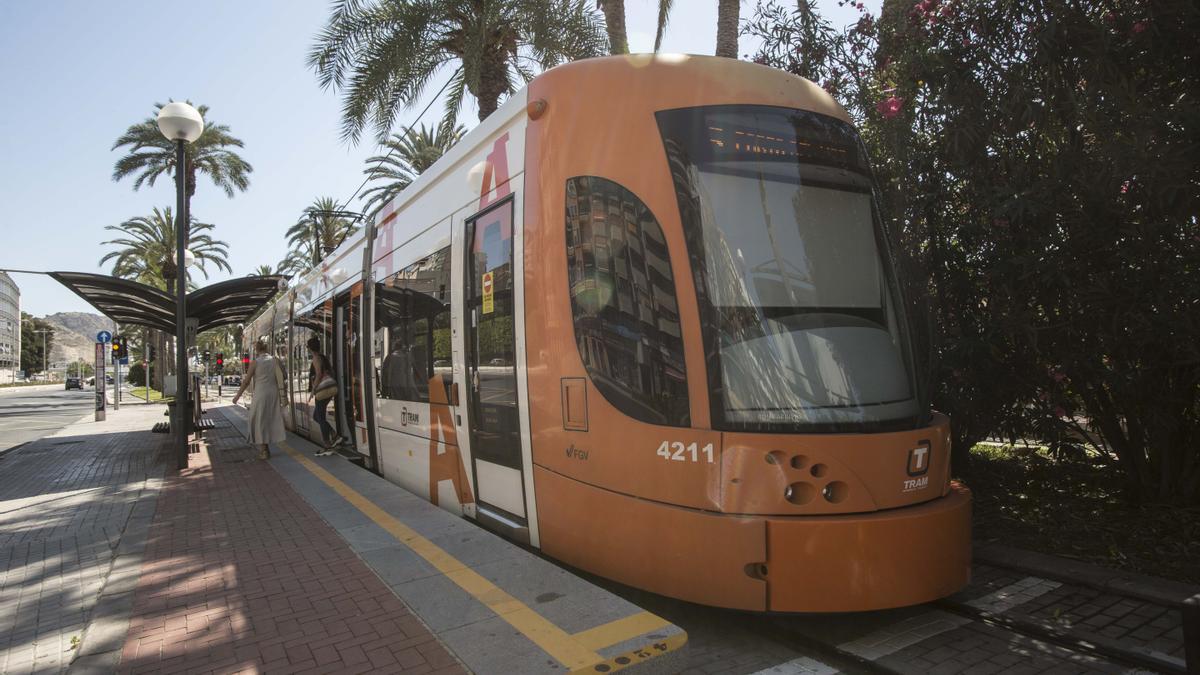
[242,575]
[497,606]
[72,508]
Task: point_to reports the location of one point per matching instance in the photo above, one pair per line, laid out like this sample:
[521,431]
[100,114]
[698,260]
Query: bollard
[1191,634]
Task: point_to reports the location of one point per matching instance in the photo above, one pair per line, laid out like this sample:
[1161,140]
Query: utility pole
[45,356]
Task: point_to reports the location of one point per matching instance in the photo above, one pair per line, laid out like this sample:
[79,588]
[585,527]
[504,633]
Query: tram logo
[918,459]
[407,418]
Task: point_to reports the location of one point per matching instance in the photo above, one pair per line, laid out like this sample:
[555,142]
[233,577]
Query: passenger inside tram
[400,373]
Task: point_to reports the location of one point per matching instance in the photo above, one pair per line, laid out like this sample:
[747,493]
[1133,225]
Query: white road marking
[1014,594]
[893,638]
[801,666]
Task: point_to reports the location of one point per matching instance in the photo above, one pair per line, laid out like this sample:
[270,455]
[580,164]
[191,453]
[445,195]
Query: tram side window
[623,302]
[412,327]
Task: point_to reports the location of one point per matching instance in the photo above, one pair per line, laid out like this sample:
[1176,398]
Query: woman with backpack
[323,388]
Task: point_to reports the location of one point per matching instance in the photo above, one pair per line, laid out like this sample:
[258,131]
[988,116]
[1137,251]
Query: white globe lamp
[180,122]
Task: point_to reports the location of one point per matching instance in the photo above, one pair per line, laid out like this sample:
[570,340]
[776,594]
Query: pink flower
[1125,187]
[890,106]
[1139,27]
[1060,411]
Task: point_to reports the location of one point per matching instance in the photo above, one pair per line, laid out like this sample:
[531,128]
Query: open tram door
[493,417]
[347,359]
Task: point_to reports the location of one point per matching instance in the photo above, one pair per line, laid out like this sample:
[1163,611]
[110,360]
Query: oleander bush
[1037,166]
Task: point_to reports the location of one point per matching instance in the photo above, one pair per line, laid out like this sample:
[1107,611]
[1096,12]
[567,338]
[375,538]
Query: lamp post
[45,356]
[181,124]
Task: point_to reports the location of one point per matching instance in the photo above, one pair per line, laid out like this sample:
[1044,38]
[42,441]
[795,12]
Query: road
[29,413]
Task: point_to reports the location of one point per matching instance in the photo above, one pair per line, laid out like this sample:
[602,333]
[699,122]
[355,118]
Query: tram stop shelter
[131,303]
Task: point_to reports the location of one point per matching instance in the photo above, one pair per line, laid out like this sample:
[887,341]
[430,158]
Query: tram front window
[800,316]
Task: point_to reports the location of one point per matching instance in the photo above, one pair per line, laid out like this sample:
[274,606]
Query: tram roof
[130,302]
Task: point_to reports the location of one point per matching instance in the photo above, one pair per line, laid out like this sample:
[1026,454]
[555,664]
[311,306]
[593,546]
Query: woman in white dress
[266,414]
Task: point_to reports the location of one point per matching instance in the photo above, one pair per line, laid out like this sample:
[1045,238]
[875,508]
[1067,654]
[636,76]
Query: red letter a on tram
[495,173]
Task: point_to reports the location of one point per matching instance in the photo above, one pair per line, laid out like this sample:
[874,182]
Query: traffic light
[245,358]
[119,349]
[153,353]
[220,359]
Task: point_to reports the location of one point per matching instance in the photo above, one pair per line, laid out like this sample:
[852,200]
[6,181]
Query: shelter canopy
[129,302]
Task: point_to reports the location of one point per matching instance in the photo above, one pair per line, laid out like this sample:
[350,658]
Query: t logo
[918,459]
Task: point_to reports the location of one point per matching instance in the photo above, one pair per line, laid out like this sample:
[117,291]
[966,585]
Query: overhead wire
[392,150]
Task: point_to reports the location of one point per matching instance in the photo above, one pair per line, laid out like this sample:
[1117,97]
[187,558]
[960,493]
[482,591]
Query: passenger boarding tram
[644,318]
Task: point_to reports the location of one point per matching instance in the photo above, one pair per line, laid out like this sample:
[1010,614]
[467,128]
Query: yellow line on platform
[620,630]
[553,640]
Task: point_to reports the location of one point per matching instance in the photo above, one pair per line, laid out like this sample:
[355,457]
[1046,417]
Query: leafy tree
[317,233]
[150,155]
[407,156]
[1038,160]
[35,345]
[381,53]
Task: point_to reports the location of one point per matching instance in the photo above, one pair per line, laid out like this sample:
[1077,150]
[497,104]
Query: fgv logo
[918,459]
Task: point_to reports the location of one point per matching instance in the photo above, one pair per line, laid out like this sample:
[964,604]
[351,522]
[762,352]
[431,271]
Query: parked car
[74,383]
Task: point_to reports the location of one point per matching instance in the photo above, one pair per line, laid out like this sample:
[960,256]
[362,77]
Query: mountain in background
[75,335]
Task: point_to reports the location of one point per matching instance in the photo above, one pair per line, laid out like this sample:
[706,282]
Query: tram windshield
[802,327]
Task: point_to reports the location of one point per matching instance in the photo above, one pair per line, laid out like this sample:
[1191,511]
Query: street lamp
[181,124]
[45,356]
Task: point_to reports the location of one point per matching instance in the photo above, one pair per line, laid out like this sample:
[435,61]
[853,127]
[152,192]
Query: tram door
[347,343]
[491,386]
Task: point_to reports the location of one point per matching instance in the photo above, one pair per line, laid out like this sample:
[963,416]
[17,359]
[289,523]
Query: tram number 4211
[678,452]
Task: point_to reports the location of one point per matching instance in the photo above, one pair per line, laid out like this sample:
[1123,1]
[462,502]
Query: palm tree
[727,27]
[147,249]
[614,24]
[150,155]
[146,254]
[408,155]
[321,228]
[381,53]
[266,271]
[728,15]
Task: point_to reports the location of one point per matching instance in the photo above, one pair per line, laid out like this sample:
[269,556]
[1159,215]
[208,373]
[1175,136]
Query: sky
[75,74]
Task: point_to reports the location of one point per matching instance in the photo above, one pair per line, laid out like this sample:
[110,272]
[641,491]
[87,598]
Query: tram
[644,318]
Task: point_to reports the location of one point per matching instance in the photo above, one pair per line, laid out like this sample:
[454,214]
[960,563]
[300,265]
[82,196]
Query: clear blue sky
[74,75]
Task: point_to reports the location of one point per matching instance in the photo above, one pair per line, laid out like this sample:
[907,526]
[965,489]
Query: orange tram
[644,318]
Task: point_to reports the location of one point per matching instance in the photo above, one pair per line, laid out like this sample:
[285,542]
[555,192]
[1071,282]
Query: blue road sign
[103,336]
